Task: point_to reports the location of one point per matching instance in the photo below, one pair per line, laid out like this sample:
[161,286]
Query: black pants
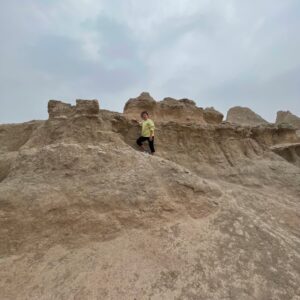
[142,139]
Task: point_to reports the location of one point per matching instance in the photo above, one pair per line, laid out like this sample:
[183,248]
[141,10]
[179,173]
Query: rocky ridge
[84,215]
[170,109]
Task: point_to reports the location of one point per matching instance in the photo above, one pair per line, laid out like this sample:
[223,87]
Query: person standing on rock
[148,128]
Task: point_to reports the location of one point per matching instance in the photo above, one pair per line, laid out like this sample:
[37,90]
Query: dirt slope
[84,215]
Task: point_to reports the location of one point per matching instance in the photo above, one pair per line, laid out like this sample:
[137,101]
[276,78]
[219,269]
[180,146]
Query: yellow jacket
[147,127]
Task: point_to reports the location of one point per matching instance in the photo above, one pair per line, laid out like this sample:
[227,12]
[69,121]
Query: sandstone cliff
[84,215]
[244,116]
[169,109]
[59,109]
[286,117]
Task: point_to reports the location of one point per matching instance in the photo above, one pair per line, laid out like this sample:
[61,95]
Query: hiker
[147,132]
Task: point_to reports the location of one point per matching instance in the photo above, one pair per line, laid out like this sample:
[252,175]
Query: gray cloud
[219,53]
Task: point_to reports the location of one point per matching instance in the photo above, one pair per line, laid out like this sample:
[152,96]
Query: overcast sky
[220,53]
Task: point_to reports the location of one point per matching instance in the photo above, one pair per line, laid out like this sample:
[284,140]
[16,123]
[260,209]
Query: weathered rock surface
[169,109]
[286,117]
[83,215]
[88,107]
[59,109]
[290,152]
[212,116]
[244,116]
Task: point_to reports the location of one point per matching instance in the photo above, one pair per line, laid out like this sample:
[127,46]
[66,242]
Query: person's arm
[151,135]
[151,127]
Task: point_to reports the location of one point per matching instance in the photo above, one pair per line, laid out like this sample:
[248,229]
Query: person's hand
[151,138]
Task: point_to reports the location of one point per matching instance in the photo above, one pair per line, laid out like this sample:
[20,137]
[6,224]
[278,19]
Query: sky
[219,53]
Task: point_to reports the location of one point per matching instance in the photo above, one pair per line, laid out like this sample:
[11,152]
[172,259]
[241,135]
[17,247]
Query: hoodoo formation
[213,215]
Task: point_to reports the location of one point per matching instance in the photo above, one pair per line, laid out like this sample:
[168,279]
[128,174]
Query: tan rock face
[84,215]
[59,109]
[89,107]
[286,117]
[171,110]
[212,116]
[290,152]
[244,116]
[135,106]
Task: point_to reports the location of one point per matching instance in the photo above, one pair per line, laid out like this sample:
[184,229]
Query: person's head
[145,115]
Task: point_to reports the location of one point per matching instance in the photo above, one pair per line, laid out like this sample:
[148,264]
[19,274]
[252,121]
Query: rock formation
[84,215]
[244,116]
[171,110]
[286,117]
[212,116]
[290,152]
[59,109]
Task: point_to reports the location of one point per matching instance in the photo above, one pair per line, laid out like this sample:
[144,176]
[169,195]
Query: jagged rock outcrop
[244,116]
[145,102]
[286,117]
[170,109]
[84,215]
[87,107]
[59,109]
[290,152]
[212,116]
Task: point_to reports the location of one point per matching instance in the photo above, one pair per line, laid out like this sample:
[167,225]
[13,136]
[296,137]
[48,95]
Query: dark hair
[144,112]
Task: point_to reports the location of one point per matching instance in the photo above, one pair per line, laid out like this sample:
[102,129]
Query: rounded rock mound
[244,116]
